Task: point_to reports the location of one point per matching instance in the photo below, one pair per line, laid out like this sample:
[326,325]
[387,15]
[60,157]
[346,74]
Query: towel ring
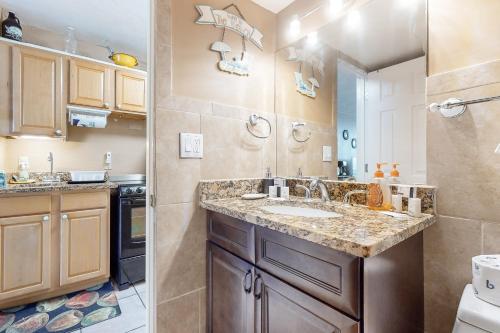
[295,128]
[252,122]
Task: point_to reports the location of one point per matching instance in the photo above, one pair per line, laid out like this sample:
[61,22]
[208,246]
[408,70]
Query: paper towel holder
[74,111]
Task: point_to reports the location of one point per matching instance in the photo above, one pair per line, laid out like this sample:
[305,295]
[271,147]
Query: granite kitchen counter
[53,187]
[360,232]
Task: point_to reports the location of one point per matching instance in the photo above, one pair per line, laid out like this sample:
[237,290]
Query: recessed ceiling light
[295,25]
[353,19]
[336,6]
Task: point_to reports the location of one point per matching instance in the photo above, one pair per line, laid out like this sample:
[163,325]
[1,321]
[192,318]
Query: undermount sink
[299,211]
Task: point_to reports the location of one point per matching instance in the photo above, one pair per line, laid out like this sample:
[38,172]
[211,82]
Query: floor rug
[62,314]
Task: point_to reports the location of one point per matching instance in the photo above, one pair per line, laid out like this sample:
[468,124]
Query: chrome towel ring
[253,120]
[295,129]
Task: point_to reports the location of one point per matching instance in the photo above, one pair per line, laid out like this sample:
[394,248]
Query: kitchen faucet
[325,194]
[52,178]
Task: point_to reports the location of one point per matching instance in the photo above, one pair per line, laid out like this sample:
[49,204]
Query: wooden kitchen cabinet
[25,248]
[90,84]
[37,93]
[130,91]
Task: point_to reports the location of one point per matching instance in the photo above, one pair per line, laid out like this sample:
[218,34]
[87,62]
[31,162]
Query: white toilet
[475,315]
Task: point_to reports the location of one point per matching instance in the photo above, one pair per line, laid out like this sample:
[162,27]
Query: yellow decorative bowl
[123,59]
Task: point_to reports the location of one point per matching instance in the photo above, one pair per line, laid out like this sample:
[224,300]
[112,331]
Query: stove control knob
[139,190]
[128,190]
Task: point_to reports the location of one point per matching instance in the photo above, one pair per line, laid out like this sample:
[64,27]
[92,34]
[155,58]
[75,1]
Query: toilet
[475,315]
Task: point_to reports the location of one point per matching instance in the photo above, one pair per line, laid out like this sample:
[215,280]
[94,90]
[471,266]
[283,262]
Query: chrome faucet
[50,158]
[318,183]
[347,196]
[307,192]
[52,178]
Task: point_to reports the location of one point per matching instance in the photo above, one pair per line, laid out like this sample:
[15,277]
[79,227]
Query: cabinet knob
[119,106]
[45,218]
[106,105]
[64,217]
[257,289]
[58,132]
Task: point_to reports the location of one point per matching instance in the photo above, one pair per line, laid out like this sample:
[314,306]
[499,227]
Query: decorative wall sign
[225,20]
[302,57]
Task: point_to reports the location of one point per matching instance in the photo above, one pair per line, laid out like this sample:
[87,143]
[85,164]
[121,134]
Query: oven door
[132,227]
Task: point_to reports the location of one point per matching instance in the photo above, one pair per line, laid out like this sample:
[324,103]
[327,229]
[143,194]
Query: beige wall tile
[203,310]
[180,315]
[181,249]
[449,246]
[461,162]
[491,238]
[177,178]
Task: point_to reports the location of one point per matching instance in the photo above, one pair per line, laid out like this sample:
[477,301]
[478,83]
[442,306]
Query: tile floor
[133,318]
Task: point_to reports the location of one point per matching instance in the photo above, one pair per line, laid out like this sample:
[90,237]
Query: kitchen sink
[300,211]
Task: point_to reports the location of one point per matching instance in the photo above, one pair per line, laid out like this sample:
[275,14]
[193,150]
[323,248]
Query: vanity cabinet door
[280,308]
[37,103]
[230,307]
[90,84]
[25,255]
[130,92]
[84,245]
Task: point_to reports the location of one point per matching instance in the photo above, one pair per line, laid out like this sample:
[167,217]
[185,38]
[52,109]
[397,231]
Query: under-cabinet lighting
[36,137]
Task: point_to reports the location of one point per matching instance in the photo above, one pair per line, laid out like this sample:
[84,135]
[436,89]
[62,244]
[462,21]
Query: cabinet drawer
[326,274]
[233,235]
[86,200]
[282,308]
[25,205]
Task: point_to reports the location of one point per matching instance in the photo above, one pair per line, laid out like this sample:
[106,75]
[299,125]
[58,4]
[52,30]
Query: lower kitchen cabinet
[25,245]
[52,244]
[245,299]
[84,245]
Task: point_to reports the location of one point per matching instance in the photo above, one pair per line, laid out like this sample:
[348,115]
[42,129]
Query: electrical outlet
[108,160]
[327,153]
[191,145]
[404,190]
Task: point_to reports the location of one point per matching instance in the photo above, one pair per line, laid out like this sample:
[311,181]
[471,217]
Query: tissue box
[486,278]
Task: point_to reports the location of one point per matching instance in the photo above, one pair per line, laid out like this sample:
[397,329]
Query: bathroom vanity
[268,272]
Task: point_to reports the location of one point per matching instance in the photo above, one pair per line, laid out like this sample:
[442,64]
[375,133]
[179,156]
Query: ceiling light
[354,19]
[336,6]
[295,25]
[312,38]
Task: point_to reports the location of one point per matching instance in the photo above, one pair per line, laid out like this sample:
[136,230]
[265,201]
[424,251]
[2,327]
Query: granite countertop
[61,186]
[360,232]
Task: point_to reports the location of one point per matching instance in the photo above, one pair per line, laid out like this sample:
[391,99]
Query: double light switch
[191,145]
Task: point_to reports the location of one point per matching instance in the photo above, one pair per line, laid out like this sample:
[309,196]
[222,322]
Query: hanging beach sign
[223,19]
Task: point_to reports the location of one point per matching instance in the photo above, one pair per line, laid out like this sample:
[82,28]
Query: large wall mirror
[352,93]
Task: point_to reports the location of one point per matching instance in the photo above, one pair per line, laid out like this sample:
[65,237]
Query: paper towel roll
[486,278]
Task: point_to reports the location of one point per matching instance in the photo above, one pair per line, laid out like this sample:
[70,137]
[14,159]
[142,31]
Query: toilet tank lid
[477,312]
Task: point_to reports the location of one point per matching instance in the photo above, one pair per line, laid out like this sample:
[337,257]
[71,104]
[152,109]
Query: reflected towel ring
[252,122]
[295,128]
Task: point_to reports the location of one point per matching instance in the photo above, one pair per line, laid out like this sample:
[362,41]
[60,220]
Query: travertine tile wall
[461,163]
[229,150]
[3,156]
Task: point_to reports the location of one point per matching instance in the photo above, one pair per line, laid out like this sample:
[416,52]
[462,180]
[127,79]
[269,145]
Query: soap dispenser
[394,178]
[379,192]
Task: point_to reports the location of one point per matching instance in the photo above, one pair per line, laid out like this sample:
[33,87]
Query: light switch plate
[327,153]
[191,145]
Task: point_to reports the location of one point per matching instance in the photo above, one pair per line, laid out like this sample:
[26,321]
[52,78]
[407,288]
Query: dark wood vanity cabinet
[264,281]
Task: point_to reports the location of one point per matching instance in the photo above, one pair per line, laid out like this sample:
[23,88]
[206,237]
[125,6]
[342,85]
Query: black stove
[128,230]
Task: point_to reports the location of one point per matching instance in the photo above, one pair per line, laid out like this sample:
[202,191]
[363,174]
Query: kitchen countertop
[61,186]
[360,232]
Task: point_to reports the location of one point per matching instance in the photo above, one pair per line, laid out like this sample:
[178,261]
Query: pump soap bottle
[394,178]
[379,192]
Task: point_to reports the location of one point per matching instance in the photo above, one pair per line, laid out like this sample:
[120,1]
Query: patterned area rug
[62,314]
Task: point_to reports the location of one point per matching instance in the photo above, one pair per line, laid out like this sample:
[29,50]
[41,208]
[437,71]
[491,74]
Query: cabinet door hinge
[152,200]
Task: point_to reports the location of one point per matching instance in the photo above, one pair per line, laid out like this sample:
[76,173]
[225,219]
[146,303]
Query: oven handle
[133,202]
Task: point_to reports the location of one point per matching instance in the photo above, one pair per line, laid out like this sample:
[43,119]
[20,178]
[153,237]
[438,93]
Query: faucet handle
[306,190]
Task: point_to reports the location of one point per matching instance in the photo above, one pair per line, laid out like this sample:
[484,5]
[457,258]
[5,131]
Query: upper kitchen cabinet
[90,84]
[130,91]
[37,93]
